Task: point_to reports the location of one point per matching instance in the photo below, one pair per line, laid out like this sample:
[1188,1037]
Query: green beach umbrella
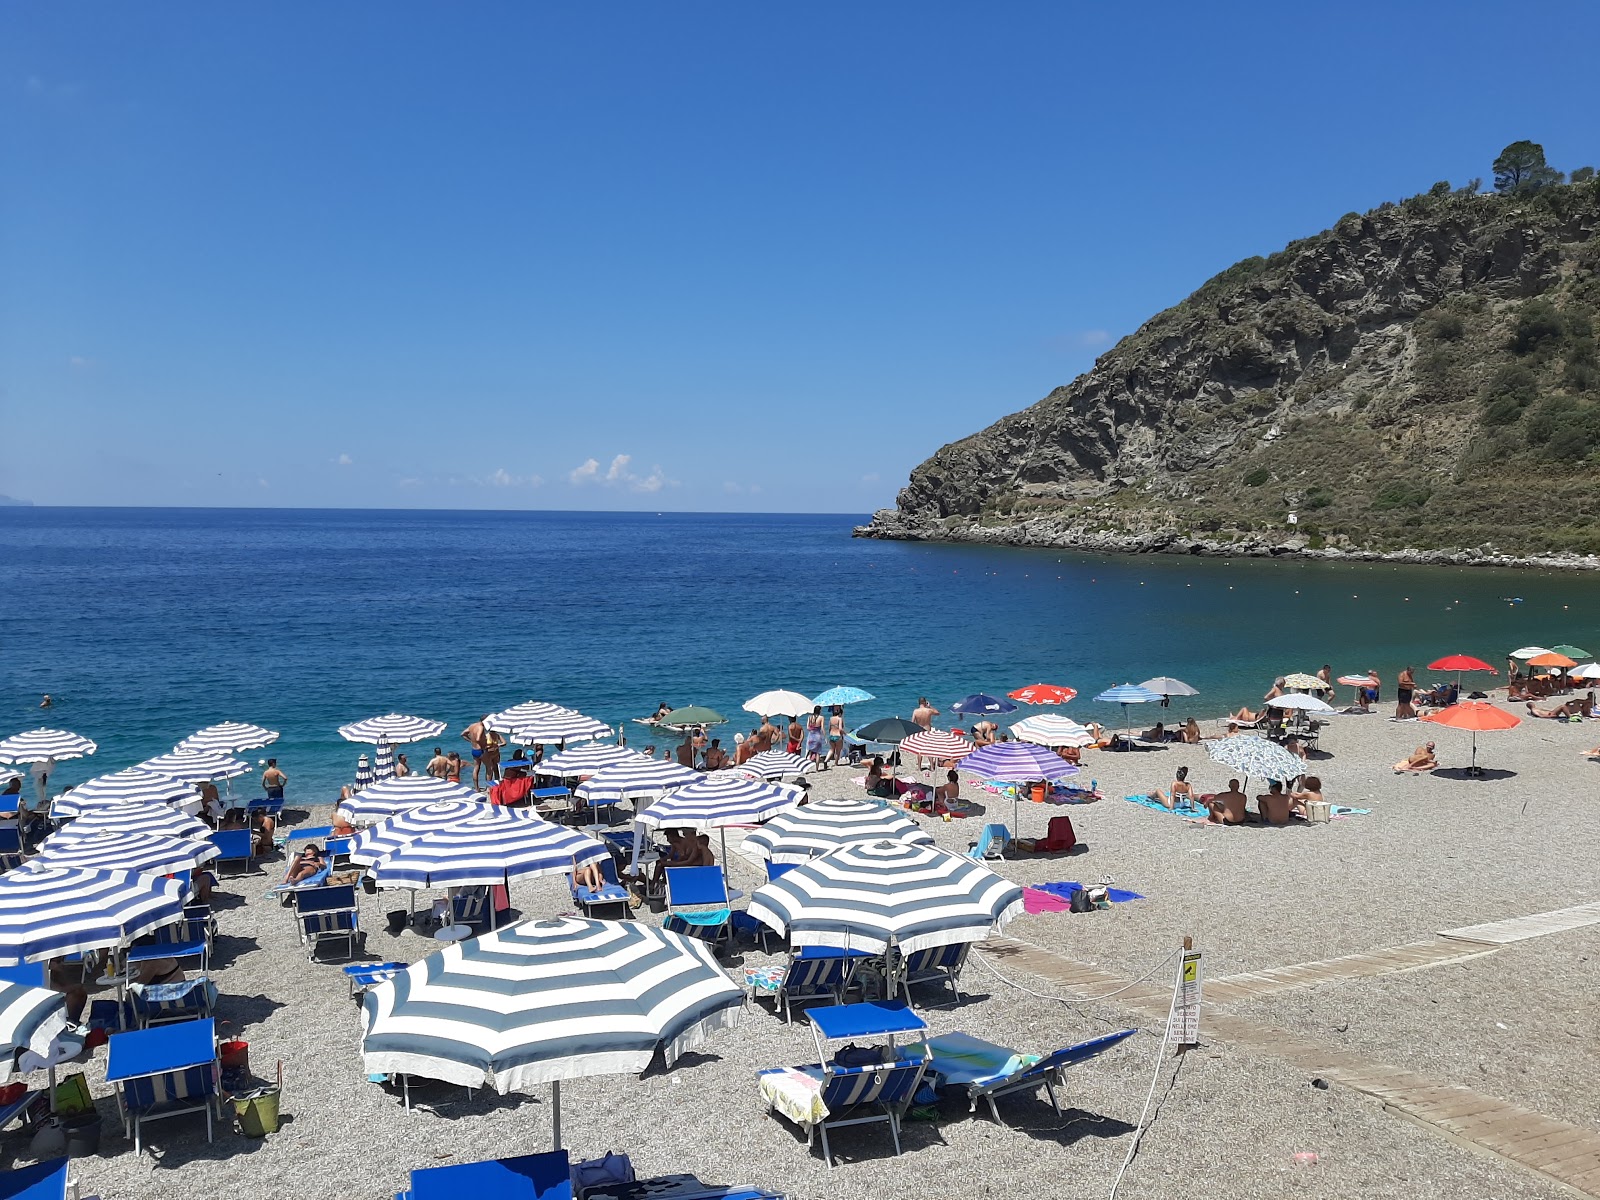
[1572,651]
[693,714]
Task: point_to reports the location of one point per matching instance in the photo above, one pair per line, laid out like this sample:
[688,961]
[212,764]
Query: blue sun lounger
[42,1181]
[986,1071]
[527,1177]
[164,1072]
[698,904]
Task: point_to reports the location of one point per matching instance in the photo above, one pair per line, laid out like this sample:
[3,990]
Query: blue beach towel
[1183,808]
[1064,891]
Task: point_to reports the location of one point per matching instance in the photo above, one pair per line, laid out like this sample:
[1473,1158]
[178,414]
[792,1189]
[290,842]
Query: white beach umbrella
[1530,652]
[229,737]
[196,766]
[1165,685]
[1587,671]
[778,703]
[395,728]
[131,786]
[44,745]
[1050,729]
[1303,702]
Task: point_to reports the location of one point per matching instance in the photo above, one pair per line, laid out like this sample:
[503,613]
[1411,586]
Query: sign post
[1184,1024]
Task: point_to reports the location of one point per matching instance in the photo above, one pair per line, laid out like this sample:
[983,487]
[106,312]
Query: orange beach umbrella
[1552,659]
[1459,663]
[1475,716]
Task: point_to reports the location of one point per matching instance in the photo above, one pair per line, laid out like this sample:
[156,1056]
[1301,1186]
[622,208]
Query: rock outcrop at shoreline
[1419,383]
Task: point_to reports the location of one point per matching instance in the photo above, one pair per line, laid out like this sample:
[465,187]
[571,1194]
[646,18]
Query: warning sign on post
[1185,1020]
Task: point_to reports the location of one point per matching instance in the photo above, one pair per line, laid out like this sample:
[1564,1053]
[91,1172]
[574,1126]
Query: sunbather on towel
[1182,789]
[1421,759]
[1572,708]
[1246,716]
[1228,808]
[1191,732]
[949,790]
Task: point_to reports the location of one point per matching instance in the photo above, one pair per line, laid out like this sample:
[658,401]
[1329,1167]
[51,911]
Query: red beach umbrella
[1474,716]
[1459,663]
[1043,693]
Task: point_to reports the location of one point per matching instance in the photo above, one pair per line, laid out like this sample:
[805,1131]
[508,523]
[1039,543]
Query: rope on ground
[1155,1078]
[988,966]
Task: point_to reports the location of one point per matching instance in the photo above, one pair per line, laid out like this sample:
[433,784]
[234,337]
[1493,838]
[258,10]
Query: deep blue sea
[147,623]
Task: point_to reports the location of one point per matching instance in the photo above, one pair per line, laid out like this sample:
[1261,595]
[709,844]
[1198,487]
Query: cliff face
[1404,379]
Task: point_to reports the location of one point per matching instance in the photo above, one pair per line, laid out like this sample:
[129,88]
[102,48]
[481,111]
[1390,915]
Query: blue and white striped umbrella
[1016,762]
[877,894]
[543,1001]
[634,781]
[140,818]
[47,914]
[1126,694]
[587,760]
[773,764]
[363,773]
[548,728]
[1256,758]
[42,745]
[30,1019]
[720,799]
[108,850]
[196,766]
[383,762]
[823,826]
[842,695]
[396,728]
[131,786]
[486,852]
[389,796]
[392,832]
[229,737]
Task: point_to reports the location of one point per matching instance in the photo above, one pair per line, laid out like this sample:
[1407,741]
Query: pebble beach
[1230,1117]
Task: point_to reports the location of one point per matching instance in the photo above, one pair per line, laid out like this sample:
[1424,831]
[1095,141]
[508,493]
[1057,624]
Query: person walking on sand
[924,713]
[836,733]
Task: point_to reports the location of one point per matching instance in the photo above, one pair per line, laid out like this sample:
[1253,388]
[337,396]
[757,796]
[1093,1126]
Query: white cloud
[344,460]
[79,362]
[870,477]
[503,478]
[263,483]
[410,481]
[619,474]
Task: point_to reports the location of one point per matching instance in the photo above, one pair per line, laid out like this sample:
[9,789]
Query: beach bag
[591,1173]
[72,1096]
[1080,902]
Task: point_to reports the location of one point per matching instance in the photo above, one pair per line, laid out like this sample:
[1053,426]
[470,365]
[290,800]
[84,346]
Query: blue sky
[708,256]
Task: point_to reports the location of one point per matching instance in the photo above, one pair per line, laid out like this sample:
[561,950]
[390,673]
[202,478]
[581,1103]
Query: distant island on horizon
[1419,382]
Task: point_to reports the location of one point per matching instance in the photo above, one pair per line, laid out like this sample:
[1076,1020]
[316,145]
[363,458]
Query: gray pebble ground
[1435,853]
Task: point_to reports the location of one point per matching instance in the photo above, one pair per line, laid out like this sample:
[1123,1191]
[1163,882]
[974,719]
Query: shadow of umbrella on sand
[1475,716]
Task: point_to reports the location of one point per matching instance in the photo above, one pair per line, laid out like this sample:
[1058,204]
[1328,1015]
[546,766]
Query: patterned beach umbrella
[1300,681]
[1256,757]
[110,850]
[841,695]
[30,1019]
[196,766]
[131,786]
[877,894]
[488,851]
[389,796]
[395,728]
[134,817]
[229,737]
[778,703]
[773,764]
[937,744]
[634,781]
[1048,729]
[825,825]
[543,1001]
[1043,693]
[980,703]
[1017,762]
[42,745]
[392,832]
[383,761]
[47,914]
[586,760]
[720,799]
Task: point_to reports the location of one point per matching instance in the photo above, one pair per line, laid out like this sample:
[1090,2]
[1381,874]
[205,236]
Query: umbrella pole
[555,1113]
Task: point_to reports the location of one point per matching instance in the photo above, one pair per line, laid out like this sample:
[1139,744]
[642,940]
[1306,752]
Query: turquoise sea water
[149,623]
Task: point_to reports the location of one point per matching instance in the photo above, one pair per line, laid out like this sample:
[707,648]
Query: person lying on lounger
[589,876]
[1228,808]
[1244,715]
[305,864]
[1421,759]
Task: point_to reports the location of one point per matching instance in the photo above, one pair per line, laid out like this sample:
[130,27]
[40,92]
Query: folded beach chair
[936,964]
[164,1072]
[605,902]
[163,1003]
[527,1177]
[364,976]
[328,914]
[986,1071]
[698,903]
[1059,836]
[235,846]
[817,973]
[992,841]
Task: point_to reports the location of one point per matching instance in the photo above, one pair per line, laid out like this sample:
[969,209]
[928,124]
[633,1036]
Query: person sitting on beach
[587,876]
[338,824]
[1156,733]
[211,804]
[683,851]
[1245,717]
[1227,808]
[1273,805]
[878,781]
[1572,708]
[1191,732]
[704,856]
[716,756]
[983,733]
[1277,689]
[685,752]
[1069,754]
[305,864]
[1421,759]
[1296,747]
[1182,790]
[1310,793]
[949,790]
